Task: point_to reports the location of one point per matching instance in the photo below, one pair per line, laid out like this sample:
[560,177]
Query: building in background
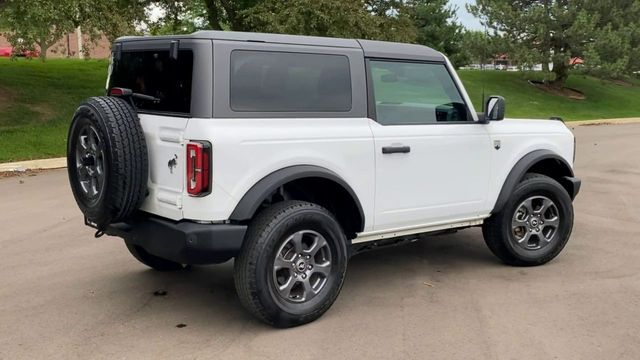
[68,46]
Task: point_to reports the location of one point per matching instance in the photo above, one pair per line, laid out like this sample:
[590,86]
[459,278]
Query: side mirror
[494,109]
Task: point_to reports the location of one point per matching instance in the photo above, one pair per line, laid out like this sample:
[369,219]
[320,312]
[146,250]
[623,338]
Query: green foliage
[605,33]
[615,49]
[42,23]
[180,17]
[334,18]
[480,47]
[37,22]
[437,27]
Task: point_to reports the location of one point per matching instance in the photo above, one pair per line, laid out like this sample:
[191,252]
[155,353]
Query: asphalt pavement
[66,295]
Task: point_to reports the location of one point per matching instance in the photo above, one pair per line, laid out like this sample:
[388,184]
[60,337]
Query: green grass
[604,100]
[37,101]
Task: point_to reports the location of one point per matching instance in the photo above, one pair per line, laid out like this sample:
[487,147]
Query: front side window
[415,93]
[264,81]
[155,74]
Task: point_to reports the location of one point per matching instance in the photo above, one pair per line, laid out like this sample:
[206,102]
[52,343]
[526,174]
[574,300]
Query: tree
[615,49]
[42,23]
[548,30]
[36,22]
[437,27]
[334,18]
[111,18]
[480,47]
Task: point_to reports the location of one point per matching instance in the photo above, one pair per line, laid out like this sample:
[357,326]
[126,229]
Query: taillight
[198,168]
[119,92]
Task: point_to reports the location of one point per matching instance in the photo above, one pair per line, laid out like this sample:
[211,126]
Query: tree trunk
[43,51]
[561,71]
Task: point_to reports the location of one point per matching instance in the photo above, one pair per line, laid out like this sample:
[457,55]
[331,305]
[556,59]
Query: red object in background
[576,61]
[7,51]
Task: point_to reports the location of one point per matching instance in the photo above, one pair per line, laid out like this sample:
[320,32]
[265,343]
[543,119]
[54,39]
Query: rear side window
[155,74]
[289,82]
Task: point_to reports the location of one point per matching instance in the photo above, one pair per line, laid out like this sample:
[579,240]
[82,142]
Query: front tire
[534,225]
[292,264]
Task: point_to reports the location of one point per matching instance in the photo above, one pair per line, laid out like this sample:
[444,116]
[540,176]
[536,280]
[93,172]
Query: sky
[466,19]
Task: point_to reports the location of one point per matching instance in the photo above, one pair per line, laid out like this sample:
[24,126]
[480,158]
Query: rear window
[289,82]
[155,74]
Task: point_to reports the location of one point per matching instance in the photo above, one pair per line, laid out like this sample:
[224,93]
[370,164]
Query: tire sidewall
[86,115]
[290,312]
[539,186]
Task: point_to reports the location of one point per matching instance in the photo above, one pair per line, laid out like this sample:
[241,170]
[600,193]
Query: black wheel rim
[90,164]
[535,223]
[302,266]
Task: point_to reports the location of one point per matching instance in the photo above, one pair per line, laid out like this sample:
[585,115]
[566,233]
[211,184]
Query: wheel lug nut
[304,276]
[295,274]
[310,267]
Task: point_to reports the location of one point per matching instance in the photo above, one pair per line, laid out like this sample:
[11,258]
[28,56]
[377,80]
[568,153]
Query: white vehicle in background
[291,154]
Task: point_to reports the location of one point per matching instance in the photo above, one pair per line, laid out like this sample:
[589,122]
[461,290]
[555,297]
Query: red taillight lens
[198,168]
[120,92]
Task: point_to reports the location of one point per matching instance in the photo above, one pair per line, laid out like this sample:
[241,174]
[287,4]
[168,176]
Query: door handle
[396,149]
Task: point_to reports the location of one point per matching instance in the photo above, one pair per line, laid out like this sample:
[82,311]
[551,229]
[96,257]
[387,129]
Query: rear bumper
[184,242]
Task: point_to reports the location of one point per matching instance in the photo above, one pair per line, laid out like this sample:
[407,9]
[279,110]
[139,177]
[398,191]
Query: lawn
[37,101]
[604,100]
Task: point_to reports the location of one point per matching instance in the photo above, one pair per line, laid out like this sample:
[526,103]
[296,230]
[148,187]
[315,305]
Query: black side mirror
[494,108]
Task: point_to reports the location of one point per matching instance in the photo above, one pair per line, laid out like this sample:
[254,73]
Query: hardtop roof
[371,48]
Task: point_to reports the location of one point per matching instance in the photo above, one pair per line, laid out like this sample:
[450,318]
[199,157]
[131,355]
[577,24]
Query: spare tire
[107,160]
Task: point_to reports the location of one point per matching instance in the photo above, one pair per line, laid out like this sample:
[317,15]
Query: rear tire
[534,225]
[153,261]
[292,264]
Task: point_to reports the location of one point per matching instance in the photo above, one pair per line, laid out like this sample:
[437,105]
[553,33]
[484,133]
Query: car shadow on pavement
[205,295]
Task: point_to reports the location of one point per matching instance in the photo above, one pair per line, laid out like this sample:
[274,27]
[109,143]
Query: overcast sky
[464,17]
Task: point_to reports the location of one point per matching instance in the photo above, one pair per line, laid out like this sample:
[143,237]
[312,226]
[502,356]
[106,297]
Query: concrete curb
[55,163]
[605,122]
[58,163]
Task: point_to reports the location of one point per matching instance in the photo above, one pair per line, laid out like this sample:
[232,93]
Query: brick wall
[68,47]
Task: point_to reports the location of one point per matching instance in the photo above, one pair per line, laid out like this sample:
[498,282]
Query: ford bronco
[290,154]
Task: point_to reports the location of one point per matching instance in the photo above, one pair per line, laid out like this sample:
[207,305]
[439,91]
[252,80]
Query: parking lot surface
[66,295]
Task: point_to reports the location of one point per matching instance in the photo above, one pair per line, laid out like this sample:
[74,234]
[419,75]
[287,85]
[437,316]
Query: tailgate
[164,137]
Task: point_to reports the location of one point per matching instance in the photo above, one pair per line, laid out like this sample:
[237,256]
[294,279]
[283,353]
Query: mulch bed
[567,92]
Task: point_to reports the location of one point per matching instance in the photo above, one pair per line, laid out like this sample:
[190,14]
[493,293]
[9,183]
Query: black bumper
[573,184]
[184,242]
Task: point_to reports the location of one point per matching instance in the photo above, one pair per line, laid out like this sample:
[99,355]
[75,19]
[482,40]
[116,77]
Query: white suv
[291,154]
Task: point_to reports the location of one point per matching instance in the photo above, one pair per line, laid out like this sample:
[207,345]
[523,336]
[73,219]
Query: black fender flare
[248,205]
[521,168]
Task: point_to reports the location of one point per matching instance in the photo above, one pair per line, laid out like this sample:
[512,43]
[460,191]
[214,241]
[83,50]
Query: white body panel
[444,176]
[247,150]
[165,142]
[518,138]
